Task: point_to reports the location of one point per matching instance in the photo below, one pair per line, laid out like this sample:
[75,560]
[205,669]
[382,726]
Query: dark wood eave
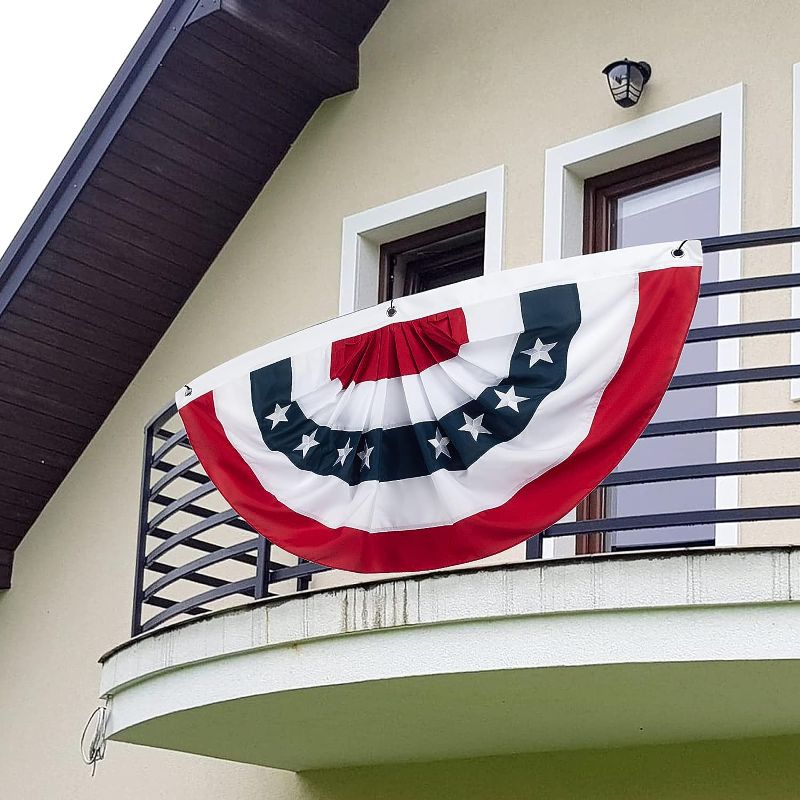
[195,122]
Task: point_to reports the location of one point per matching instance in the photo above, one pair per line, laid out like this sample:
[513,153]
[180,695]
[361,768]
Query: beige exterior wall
[448,88]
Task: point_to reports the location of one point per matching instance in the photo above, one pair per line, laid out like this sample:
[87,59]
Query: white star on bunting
[343,453]
[540,352]
[509,399]
[474,427]
[278,415]
[364,456]
[440,444]
[307,442]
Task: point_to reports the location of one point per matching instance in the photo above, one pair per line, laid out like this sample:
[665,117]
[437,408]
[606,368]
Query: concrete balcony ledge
[601,651]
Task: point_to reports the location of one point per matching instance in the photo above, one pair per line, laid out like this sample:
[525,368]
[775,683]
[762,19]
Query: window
[674,196]
[437,257]
[366,232]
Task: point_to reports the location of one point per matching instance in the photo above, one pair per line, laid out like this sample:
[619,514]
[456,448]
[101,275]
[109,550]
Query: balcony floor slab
[598,652]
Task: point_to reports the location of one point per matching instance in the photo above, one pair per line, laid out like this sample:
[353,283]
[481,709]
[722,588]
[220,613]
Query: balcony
[639,647]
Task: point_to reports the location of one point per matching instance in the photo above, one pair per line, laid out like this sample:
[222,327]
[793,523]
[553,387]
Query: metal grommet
[391,311]
[188,390]
[678,251]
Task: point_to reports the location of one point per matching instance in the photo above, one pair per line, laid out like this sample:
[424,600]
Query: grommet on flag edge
[678,251]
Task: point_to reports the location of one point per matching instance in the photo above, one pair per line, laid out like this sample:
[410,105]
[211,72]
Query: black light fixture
[626,79]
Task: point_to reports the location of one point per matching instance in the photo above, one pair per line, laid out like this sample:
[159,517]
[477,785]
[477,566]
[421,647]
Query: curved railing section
[196,555]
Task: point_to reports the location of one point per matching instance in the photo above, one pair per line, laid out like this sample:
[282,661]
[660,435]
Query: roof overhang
[191,128]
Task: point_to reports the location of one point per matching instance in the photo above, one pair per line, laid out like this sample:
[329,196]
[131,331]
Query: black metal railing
[195,554]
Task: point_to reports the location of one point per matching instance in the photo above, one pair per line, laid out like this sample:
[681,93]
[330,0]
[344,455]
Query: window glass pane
[433,258]
[687,208]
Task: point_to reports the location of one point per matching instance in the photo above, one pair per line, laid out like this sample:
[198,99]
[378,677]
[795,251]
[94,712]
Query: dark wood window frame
[600,197]
[601,193]
[446,263]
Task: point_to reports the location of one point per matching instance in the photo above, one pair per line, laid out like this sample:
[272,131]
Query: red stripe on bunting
[402,348]
[667,300]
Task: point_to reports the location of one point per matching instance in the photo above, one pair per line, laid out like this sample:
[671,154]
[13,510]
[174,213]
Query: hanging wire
[96,748]
[391,311]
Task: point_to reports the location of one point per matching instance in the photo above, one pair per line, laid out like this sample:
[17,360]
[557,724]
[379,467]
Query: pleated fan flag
[476,416]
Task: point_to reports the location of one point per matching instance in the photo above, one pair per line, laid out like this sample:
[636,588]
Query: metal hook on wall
[391,311]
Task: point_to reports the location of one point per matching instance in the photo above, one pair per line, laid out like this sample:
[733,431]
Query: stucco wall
[448,88]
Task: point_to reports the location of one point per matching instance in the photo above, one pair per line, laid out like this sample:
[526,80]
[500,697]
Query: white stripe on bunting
[393,402]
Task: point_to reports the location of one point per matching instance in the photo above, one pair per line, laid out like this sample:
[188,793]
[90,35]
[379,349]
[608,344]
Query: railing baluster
[141,535]
[533,546]
[303,580]
[263,553]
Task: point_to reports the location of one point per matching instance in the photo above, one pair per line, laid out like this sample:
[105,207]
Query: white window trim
[363,233]
[795,383]
[569,164]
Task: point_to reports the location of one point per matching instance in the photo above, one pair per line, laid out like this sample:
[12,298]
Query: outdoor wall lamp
[626,79]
